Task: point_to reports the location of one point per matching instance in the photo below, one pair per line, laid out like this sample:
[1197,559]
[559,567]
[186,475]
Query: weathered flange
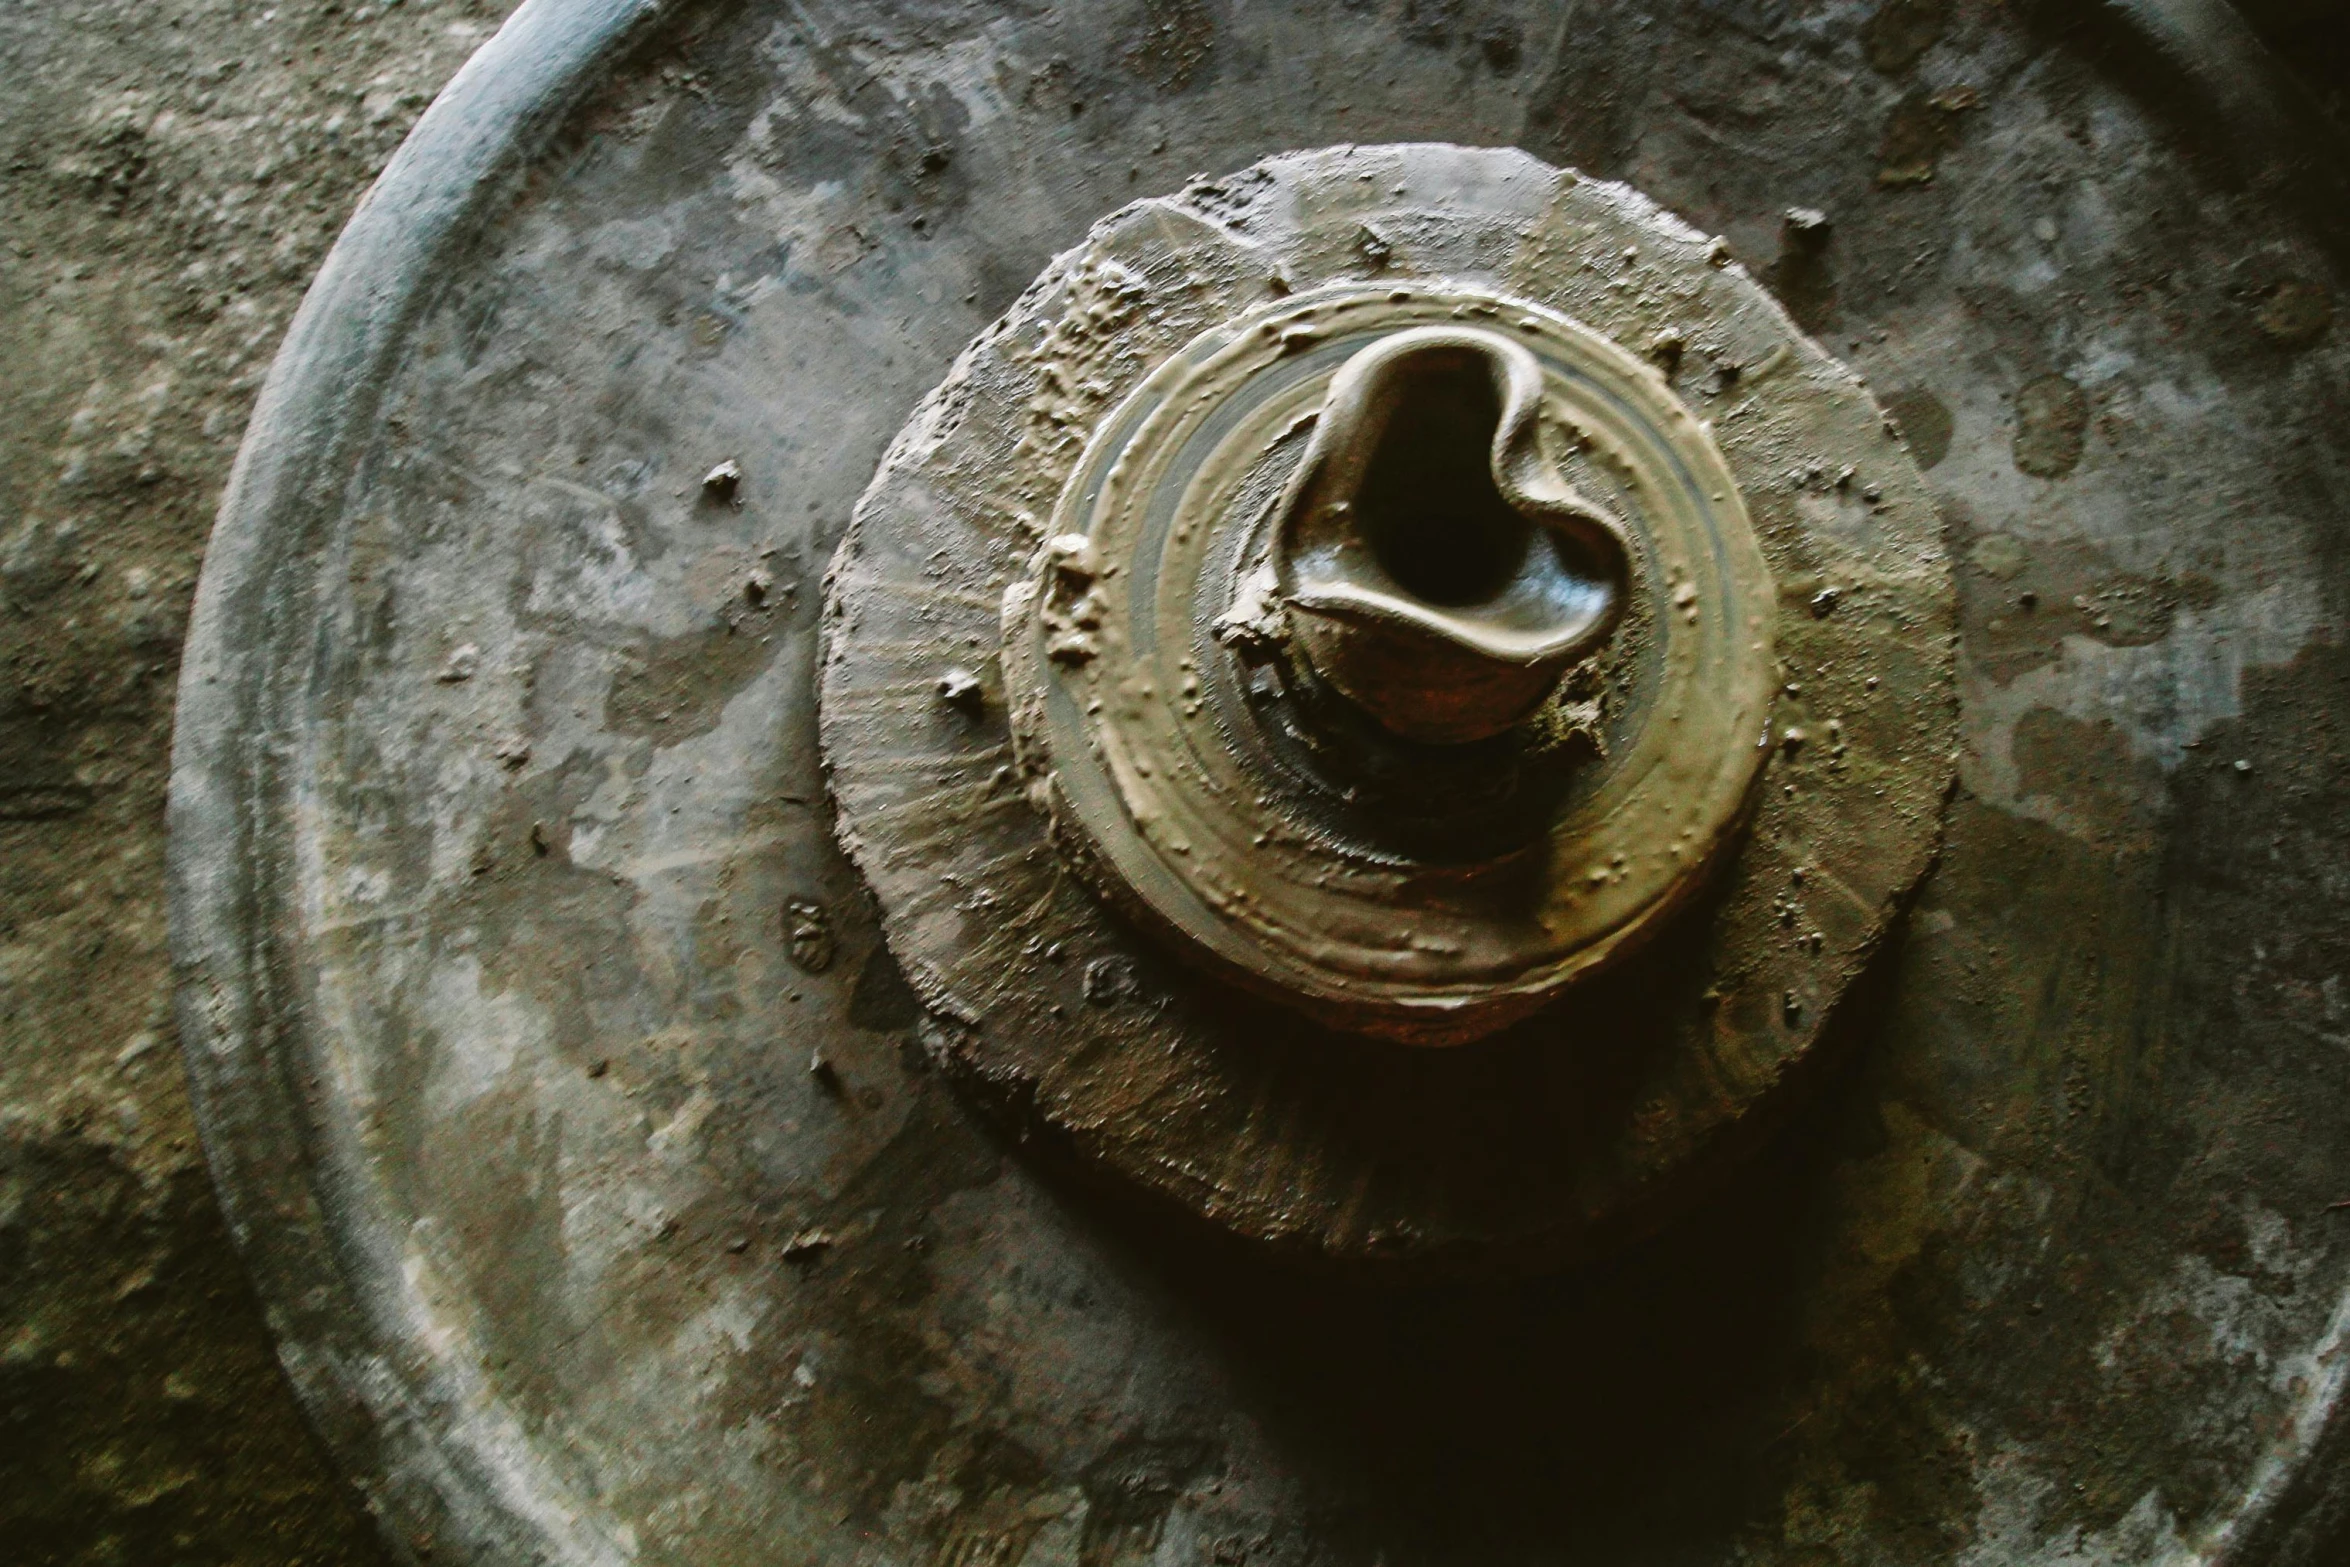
[1197,806]
[1570,1121]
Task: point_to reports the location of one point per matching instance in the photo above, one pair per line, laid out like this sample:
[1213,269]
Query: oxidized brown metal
[1433,561]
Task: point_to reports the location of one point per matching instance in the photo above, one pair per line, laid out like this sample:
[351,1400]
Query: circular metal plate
[511,918]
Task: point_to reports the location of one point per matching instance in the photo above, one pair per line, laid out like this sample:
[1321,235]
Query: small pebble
[807,1246]
[959,687]
[723,482]
[1804,228]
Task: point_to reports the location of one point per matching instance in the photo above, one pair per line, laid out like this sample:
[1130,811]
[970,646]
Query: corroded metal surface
[511,919]
[1431,554]
[1081,466]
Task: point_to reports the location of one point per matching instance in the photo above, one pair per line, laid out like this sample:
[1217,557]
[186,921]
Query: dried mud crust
[1575,1123]
[171,175]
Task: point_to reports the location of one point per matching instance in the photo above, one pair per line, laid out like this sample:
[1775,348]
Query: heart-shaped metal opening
[1436,565]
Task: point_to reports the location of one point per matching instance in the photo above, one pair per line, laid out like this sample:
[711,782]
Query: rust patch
[1171,43]
[678,687]
[2051,427]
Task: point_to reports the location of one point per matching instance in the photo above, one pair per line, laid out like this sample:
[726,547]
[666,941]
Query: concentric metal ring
[1086,1014]
[1188,812]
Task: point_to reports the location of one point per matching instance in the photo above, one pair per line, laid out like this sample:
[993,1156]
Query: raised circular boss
[1341,581]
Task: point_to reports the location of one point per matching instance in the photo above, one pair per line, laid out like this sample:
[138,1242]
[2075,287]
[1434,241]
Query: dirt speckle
[1503,44]
[2295,313]
[1431,22]
[723,483]
[1171,43]
[1918,132]
[808,930]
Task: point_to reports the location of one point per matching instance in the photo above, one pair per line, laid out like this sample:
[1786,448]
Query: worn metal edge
[2200,67]
[438,1468]
[2182,58]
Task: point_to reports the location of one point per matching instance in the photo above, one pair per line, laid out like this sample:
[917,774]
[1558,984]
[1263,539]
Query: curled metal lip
[1546,613]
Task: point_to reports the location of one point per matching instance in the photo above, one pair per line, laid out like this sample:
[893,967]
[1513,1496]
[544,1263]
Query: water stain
[2018,604]
[2086,773]
[868,1395]
[1901,30]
